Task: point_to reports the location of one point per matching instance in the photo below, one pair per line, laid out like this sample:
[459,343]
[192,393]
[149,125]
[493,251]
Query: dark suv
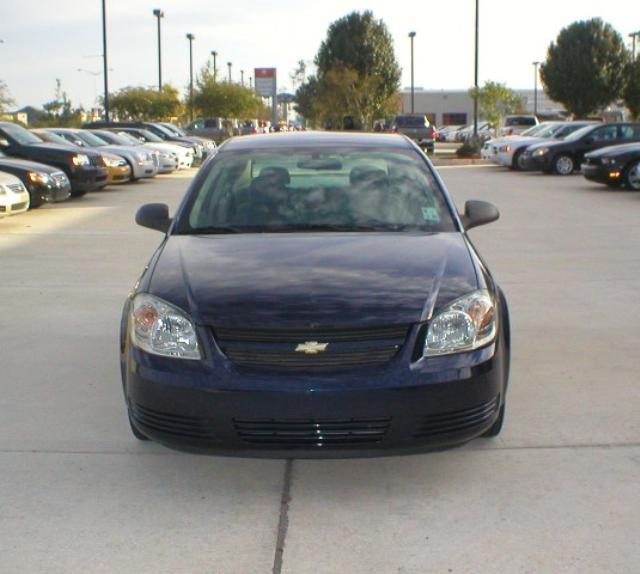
[84,168]
[418,128]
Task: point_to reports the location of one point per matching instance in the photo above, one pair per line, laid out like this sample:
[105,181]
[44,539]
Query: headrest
[278,175]
[366,174]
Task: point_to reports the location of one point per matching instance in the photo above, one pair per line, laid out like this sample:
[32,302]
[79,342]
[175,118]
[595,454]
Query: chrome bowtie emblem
[311,347]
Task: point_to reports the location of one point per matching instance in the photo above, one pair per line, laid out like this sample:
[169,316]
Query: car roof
[311,138]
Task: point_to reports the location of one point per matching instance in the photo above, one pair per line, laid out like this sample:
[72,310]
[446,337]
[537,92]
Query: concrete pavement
[557,492]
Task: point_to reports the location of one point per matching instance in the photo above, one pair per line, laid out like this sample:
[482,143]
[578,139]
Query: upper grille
[60,177]
[312,432]
[16,187]
[344,347]
[456,421]
[178,425]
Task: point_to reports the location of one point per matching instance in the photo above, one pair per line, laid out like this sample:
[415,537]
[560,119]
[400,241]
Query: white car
[14,197]
[516,124]
[184,154]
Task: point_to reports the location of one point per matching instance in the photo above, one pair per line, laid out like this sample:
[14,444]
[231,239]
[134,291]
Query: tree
[495,101]
[5,99]
[631,91]
[585,67]
[60,111]
[358,74]
[307,99]
[140,103]
[223,99]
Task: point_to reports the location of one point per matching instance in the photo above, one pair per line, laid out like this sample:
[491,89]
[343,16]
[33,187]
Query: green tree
[224,100]
[585,67]
[495,101]
[358,74]
[140,103]
[60,110]
[5,98]
[306,101]
[631,90]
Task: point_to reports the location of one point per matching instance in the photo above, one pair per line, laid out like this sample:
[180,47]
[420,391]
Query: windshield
[578,133]
[568,129]
[90,139]
[163,130]
[54,138]
[124,138]
[173,129]
[548,130]
[314,189]
[19,134]
[149,136]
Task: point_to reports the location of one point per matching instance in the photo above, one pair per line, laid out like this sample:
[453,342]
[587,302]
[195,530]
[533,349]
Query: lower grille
[178,425]
[457,421]
[18,206]
[312,432]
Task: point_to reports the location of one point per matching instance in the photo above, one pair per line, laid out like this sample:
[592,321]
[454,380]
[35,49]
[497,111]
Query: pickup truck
[417,128]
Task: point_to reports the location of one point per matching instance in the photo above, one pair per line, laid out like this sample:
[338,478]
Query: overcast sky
[45,39]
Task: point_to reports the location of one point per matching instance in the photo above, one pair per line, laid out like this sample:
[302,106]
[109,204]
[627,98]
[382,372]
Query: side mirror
[154,216]
[4,142]
[479,213]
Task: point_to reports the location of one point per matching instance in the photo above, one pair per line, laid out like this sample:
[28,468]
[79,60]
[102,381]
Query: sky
[41,40]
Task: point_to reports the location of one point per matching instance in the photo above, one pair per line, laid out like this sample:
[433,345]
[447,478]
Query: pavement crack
[283,521]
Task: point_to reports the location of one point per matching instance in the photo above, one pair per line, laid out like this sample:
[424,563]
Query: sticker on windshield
[430,214]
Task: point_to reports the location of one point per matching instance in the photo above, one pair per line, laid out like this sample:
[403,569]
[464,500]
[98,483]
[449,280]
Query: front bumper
[87,178]
[147,168]
[536,163]
[41,193]
[13,203]
[212,406]
[601,173]
[118,174]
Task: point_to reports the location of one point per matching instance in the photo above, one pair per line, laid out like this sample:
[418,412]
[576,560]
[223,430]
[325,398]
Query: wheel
[497,426]
[563,165]
[632,176]
[136,432]
[517,162]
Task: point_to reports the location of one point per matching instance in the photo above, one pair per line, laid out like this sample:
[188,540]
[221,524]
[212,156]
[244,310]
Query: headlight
[468,323]
[540,152]
[39,177]
[114,162]
[3,190]
[159,328]
[80,159]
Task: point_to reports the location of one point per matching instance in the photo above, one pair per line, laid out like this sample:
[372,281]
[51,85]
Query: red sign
[265,72]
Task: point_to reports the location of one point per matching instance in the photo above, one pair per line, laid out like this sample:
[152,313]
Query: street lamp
[412,35]
[229,68]
[475,82]
[159,14]
[191,38]
[535,88]
[242,78]
[215,66]
[104,61]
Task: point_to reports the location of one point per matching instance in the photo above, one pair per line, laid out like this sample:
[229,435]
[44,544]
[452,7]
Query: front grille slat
[457,421]
[177,425]
[347,348]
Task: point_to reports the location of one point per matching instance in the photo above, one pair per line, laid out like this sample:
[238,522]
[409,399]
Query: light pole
[242,78]
[251,82]
[535,88]
[104,61]
[215,65]
[475,81]
[159,14]
[412,35]
[191,38]
[633,37]
[229,68]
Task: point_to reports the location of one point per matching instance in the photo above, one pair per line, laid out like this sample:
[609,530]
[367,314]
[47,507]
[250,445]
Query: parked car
[485,132]
[417,128]
[510,149]
[44,183]
[183,152]
[208,144]
[563,157]
[85,169]
[516,124]
[217,129]
[14,197]
[316,294]
[118,170]
[444,132]
[452,135]
[614,166]
[156,129]
[144,163]
[167,159]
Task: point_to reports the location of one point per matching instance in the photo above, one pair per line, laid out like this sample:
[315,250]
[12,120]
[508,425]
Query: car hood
[620,149]
[316,279]
[25,164]
[122,150]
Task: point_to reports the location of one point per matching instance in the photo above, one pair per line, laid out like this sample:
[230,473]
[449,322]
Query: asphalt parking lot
[558,491]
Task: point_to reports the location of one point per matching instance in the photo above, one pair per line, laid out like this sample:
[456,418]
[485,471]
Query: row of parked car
[48,165]
[607,153]
[512,125]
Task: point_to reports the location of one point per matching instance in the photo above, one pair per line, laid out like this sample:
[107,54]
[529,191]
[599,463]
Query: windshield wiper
[213,230]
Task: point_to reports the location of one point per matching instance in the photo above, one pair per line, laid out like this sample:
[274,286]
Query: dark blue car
[316,295]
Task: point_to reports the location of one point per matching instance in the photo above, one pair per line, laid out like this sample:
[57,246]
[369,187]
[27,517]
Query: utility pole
[229,68]
[412,35]
[535,88]
[215,65]
[475,82]
[242,78]
[634,36]
[159,14]
[104,60]
[191,38]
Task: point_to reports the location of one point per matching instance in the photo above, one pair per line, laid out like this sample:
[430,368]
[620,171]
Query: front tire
[563,165]
[632,176]
[517,162]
